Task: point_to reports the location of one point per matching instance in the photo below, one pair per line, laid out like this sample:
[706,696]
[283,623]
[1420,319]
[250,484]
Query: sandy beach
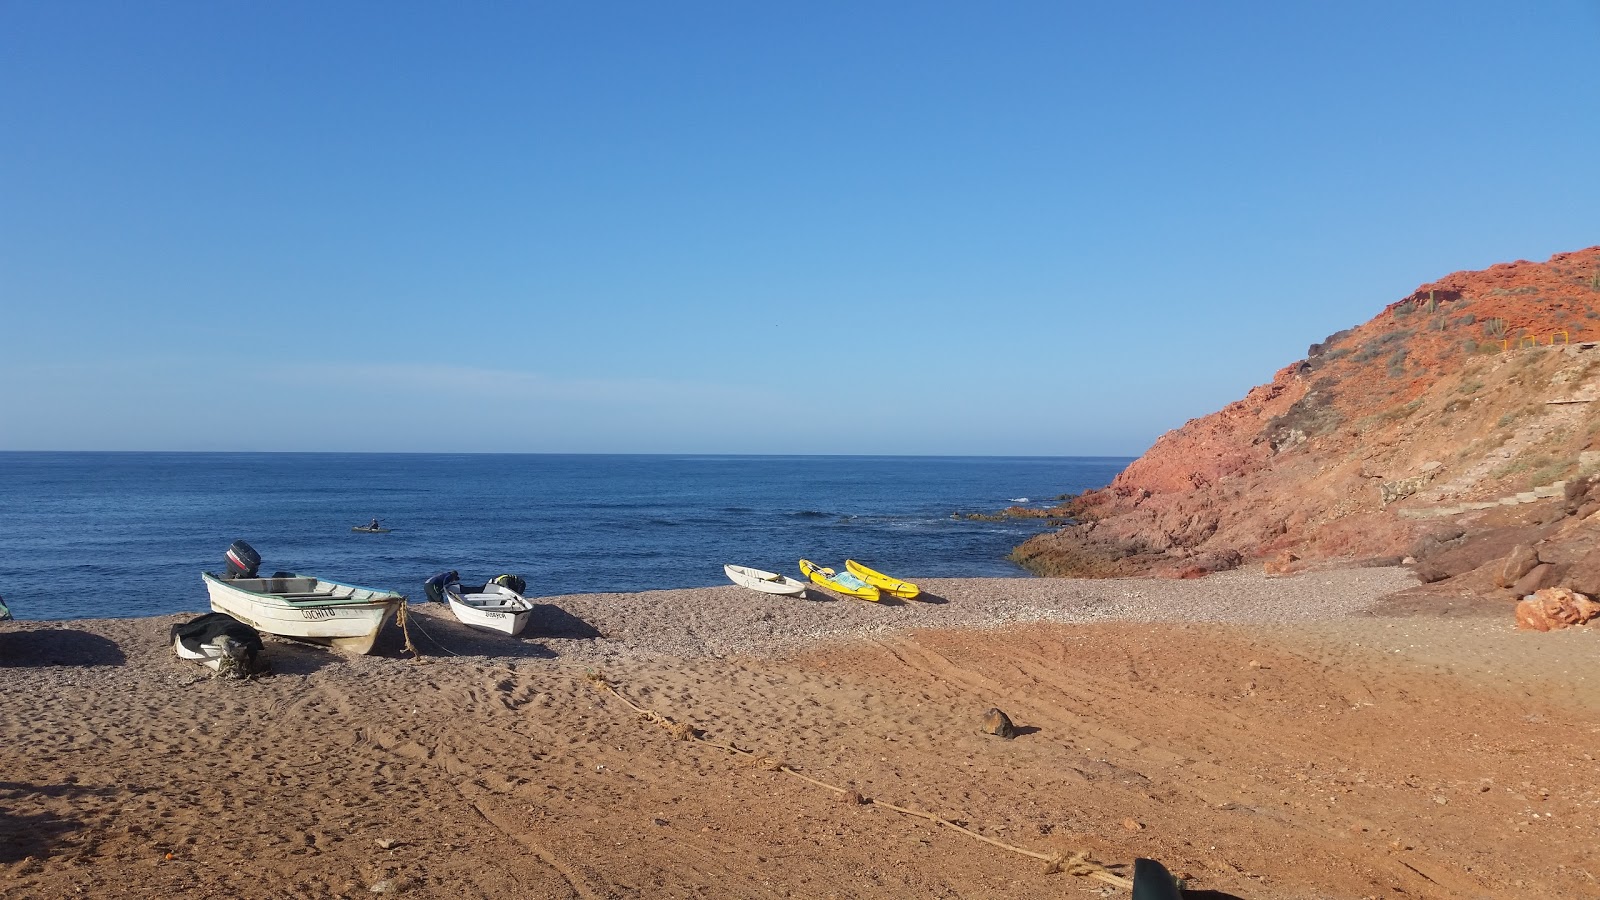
[1293,737]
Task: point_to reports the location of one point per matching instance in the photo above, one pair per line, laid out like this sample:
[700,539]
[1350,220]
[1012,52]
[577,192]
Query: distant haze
[938,229]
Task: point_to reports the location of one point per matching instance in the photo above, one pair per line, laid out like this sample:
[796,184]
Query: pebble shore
[729,621]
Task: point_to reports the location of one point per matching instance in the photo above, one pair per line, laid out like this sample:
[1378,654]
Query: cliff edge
[1462,420]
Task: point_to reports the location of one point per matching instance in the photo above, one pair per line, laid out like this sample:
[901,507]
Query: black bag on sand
[1152,881]
[207,628]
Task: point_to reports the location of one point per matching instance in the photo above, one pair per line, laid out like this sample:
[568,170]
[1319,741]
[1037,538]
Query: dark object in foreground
[999,724]
[434,586]
[1152,881]
[220,642]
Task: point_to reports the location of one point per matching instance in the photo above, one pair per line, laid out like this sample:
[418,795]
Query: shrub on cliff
[1326,344]
[1310,416]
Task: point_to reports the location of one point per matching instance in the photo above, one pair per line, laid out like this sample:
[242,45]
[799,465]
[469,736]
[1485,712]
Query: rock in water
[998,723]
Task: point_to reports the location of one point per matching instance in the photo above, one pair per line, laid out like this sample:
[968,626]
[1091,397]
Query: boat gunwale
[459,596]
[383,598]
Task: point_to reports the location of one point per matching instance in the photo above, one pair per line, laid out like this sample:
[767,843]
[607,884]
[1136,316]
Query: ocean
[91,535]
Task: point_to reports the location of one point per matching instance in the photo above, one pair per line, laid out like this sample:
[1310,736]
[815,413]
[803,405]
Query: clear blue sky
[1026,228]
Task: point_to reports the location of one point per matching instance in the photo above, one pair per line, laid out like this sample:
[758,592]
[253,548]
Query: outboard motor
[513,582]
[243,560]
[435,585]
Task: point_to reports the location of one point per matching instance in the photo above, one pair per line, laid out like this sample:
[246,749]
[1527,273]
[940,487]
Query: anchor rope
[435,641]
[402,618]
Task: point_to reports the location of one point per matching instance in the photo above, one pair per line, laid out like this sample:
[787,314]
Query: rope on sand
[402,617]
[1077,864]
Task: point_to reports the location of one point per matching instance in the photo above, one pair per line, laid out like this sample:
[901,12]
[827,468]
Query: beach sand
[1265,738]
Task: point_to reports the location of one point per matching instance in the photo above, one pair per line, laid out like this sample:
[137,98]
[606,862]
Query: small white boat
[304,607]
[492,606]
[765,582]
[219,642]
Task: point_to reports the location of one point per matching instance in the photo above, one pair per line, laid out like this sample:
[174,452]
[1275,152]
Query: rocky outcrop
[1552,608]
[1467,391]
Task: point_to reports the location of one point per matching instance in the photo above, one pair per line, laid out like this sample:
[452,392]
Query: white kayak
[765,582]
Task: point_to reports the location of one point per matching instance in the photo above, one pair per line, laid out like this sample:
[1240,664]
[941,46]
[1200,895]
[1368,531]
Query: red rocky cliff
[1444,413]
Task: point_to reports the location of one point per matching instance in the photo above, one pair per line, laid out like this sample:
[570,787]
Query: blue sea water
[85,535]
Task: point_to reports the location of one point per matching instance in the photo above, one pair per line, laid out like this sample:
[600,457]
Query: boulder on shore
[1552,608]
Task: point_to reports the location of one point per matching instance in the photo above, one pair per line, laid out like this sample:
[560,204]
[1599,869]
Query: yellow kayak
[902,589]
[844,582]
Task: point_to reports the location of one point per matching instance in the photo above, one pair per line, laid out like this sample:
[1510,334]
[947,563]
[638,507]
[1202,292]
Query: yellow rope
[402,617]
[1078,864]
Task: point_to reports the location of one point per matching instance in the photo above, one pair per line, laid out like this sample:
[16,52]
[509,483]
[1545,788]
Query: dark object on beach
[514,582]
[220,642]
[242,560]
[998,723]
[435,586]
[1152,881]
[5,611]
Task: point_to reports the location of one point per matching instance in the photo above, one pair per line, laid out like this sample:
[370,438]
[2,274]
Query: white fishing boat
[765,582]
[497,605]
[304,607]
[492,606]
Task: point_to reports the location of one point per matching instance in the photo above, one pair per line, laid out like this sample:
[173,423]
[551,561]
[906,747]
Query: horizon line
[595,453]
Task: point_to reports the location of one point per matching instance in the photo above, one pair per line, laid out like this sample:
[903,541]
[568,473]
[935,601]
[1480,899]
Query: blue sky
[942,228]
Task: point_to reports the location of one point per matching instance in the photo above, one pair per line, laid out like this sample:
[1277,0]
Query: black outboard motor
[514,582]
[435,585]
[243,560]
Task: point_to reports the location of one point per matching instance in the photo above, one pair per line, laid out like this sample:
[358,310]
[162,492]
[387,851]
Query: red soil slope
[1468,389]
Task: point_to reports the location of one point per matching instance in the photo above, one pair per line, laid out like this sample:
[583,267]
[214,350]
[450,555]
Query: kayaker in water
[374,525]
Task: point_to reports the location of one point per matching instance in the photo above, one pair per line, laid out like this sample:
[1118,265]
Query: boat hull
[832,581]
[497,610]
[350,624]
[888,584]
[765,582]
